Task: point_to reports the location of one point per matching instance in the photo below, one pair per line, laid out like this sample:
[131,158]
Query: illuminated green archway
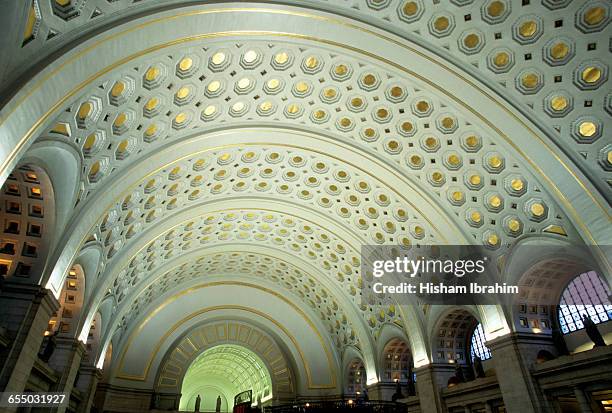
[224,371]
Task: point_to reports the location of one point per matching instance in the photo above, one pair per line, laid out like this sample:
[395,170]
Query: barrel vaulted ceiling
[548,55]
[263,147]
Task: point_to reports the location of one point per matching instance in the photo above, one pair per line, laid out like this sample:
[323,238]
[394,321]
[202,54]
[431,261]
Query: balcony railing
[349,406]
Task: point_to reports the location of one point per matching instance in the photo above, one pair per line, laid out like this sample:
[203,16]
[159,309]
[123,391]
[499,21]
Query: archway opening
[356,378]
[460,337]
[555,294]
[223,372]
[27,216]
[397,362]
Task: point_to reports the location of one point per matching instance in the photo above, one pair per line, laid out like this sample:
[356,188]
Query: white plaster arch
[62,164]
[353,365]
[356,321]
[533,253]
[97,206]
[90,258]
[104,362]
[242,332]
[242,133]
[574,191]
[573,184]
[351,354]
[385,16]
[94,339]
[105,309]
[387,334]
[530,250]
[138,366]
[501,123]
[439,314]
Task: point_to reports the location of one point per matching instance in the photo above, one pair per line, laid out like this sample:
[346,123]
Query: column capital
[436,367]
[21,291]
[518,338]
[90,369]
[71,343]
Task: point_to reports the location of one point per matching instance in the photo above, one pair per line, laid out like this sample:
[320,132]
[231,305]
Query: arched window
[585,294]
[477,346]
